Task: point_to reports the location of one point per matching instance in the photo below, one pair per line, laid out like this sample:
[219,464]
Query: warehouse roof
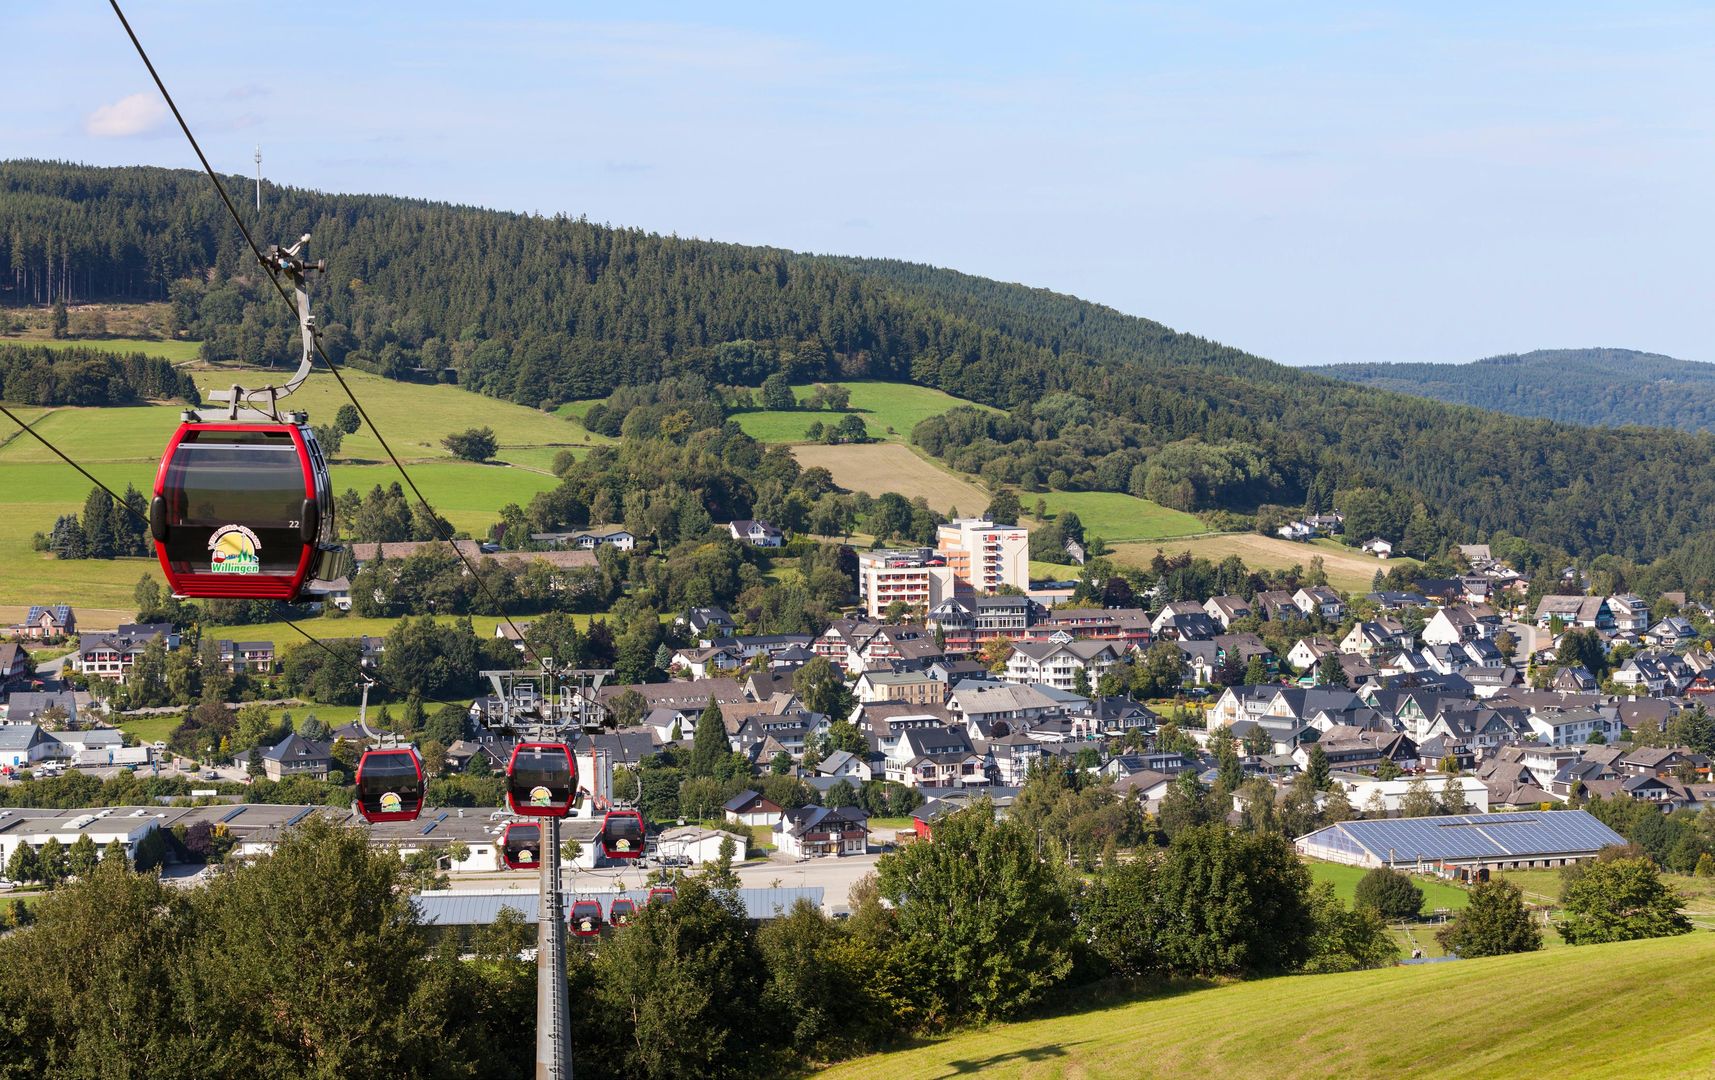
[1521,834]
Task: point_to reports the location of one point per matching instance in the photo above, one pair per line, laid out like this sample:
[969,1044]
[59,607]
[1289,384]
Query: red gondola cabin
[521,846]
[389,785]
[622,834]
[621,911]
[663,894]
[586,918]
[242,511]
[541,779]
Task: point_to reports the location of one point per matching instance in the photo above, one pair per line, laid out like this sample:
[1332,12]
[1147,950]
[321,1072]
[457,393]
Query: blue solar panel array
[1530,834]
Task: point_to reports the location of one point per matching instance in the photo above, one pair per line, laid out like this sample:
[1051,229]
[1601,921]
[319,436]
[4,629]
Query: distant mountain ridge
[1606,387]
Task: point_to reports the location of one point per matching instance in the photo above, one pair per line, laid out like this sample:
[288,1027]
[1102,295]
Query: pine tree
[1317,768]
[709,743]
[67,540]
[97,525]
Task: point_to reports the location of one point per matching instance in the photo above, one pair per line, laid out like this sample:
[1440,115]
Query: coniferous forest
[543,310]
[1607,387]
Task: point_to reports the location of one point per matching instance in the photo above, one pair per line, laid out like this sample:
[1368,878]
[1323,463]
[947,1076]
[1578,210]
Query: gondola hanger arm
[291,262]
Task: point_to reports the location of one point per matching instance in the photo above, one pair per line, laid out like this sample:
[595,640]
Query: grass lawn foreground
[1525,1015]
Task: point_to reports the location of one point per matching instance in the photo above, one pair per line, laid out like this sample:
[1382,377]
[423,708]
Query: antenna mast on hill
[258,179]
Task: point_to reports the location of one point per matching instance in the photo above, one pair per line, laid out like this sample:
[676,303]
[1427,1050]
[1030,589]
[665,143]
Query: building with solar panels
[1464,846]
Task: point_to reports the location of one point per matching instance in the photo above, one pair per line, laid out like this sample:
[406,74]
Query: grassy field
[1436,893]
[150,729]
[1115,516]
[883,406]
[1348,568]
[174,350]
[122,446]
[883,467]
[1509,1016]
[283,636]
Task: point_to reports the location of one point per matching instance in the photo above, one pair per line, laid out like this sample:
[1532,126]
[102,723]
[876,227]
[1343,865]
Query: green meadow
[122,445]
[883,405]
[1533,1014]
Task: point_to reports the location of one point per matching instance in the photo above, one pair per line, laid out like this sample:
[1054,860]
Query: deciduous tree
[1493,923]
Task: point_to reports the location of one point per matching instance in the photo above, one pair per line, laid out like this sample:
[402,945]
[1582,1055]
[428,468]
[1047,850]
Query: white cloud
[139,114]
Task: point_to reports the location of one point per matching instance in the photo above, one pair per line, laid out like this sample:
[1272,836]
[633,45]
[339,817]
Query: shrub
[1389,894]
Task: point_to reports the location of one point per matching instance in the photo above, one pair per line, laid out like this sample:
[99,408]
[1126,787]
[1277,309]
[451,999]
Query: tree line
[80,375]
[1604,387]
[546,310]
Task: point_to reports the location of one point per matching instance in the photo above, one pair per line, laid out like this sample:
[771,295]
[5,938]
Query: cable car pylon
[538,705]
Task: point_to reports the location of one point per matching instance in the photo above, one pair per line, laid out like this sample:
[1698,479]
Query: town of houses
[1452,682]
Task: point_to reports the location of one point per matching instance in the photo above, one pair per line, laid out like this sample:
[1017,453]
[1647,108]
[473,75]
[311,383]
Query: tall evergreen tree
[709,744]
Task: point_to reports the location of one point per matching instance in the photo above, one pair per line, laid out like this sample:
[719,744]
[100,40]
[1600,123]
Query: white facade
[1360,791]
[699,845]
[909,576]
[128,826]
[1058,665]
[984,556]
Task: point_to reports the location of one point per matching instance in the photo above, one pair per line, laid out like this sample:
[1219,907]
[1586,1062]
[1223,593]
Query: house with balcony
[810,831]
[1058,665]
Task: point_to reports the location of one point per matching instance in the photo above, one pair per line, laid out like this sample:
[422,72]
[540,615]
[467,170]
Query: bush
[1389,894]
[1493,924]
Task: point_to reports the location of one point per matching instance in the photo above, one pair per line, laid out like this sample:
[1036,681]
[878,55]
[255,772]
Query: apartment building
[984,556]
[919,577]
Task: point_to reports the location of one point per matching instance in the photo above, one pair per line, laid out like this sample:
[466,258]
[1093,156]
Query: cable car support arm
[291,262]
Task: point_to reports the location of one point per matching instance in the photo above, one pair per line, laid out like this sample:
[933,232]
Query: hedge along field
[901,406]
[1503,1016]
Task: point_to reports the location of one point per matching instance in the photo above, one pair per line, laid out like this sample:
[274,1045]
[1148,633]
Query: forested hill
[546,310]
[1607,387]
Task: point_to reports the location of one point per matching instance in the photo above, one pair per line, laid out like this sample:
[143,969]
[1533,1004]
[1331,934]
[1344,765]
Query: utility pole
[258,179]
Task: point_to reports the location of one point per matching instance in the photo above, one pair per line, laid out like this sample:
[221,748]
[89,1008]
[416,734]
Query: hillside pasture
[1115,516]
[121,445]
[351,626]
[882,467]
[174,349]
[883,405]
[1497,1017]
[1348,568]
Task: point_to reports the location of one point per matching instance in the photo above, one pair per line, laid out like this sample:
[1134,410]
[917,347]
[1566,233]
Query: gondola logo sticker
[527,857]
[541,796]
[391,803]
[622,845]
[233,550]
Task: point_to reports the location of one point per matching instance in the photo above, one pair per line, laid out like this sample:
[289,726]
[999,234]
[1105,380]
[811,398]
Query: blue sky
[1315,183]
